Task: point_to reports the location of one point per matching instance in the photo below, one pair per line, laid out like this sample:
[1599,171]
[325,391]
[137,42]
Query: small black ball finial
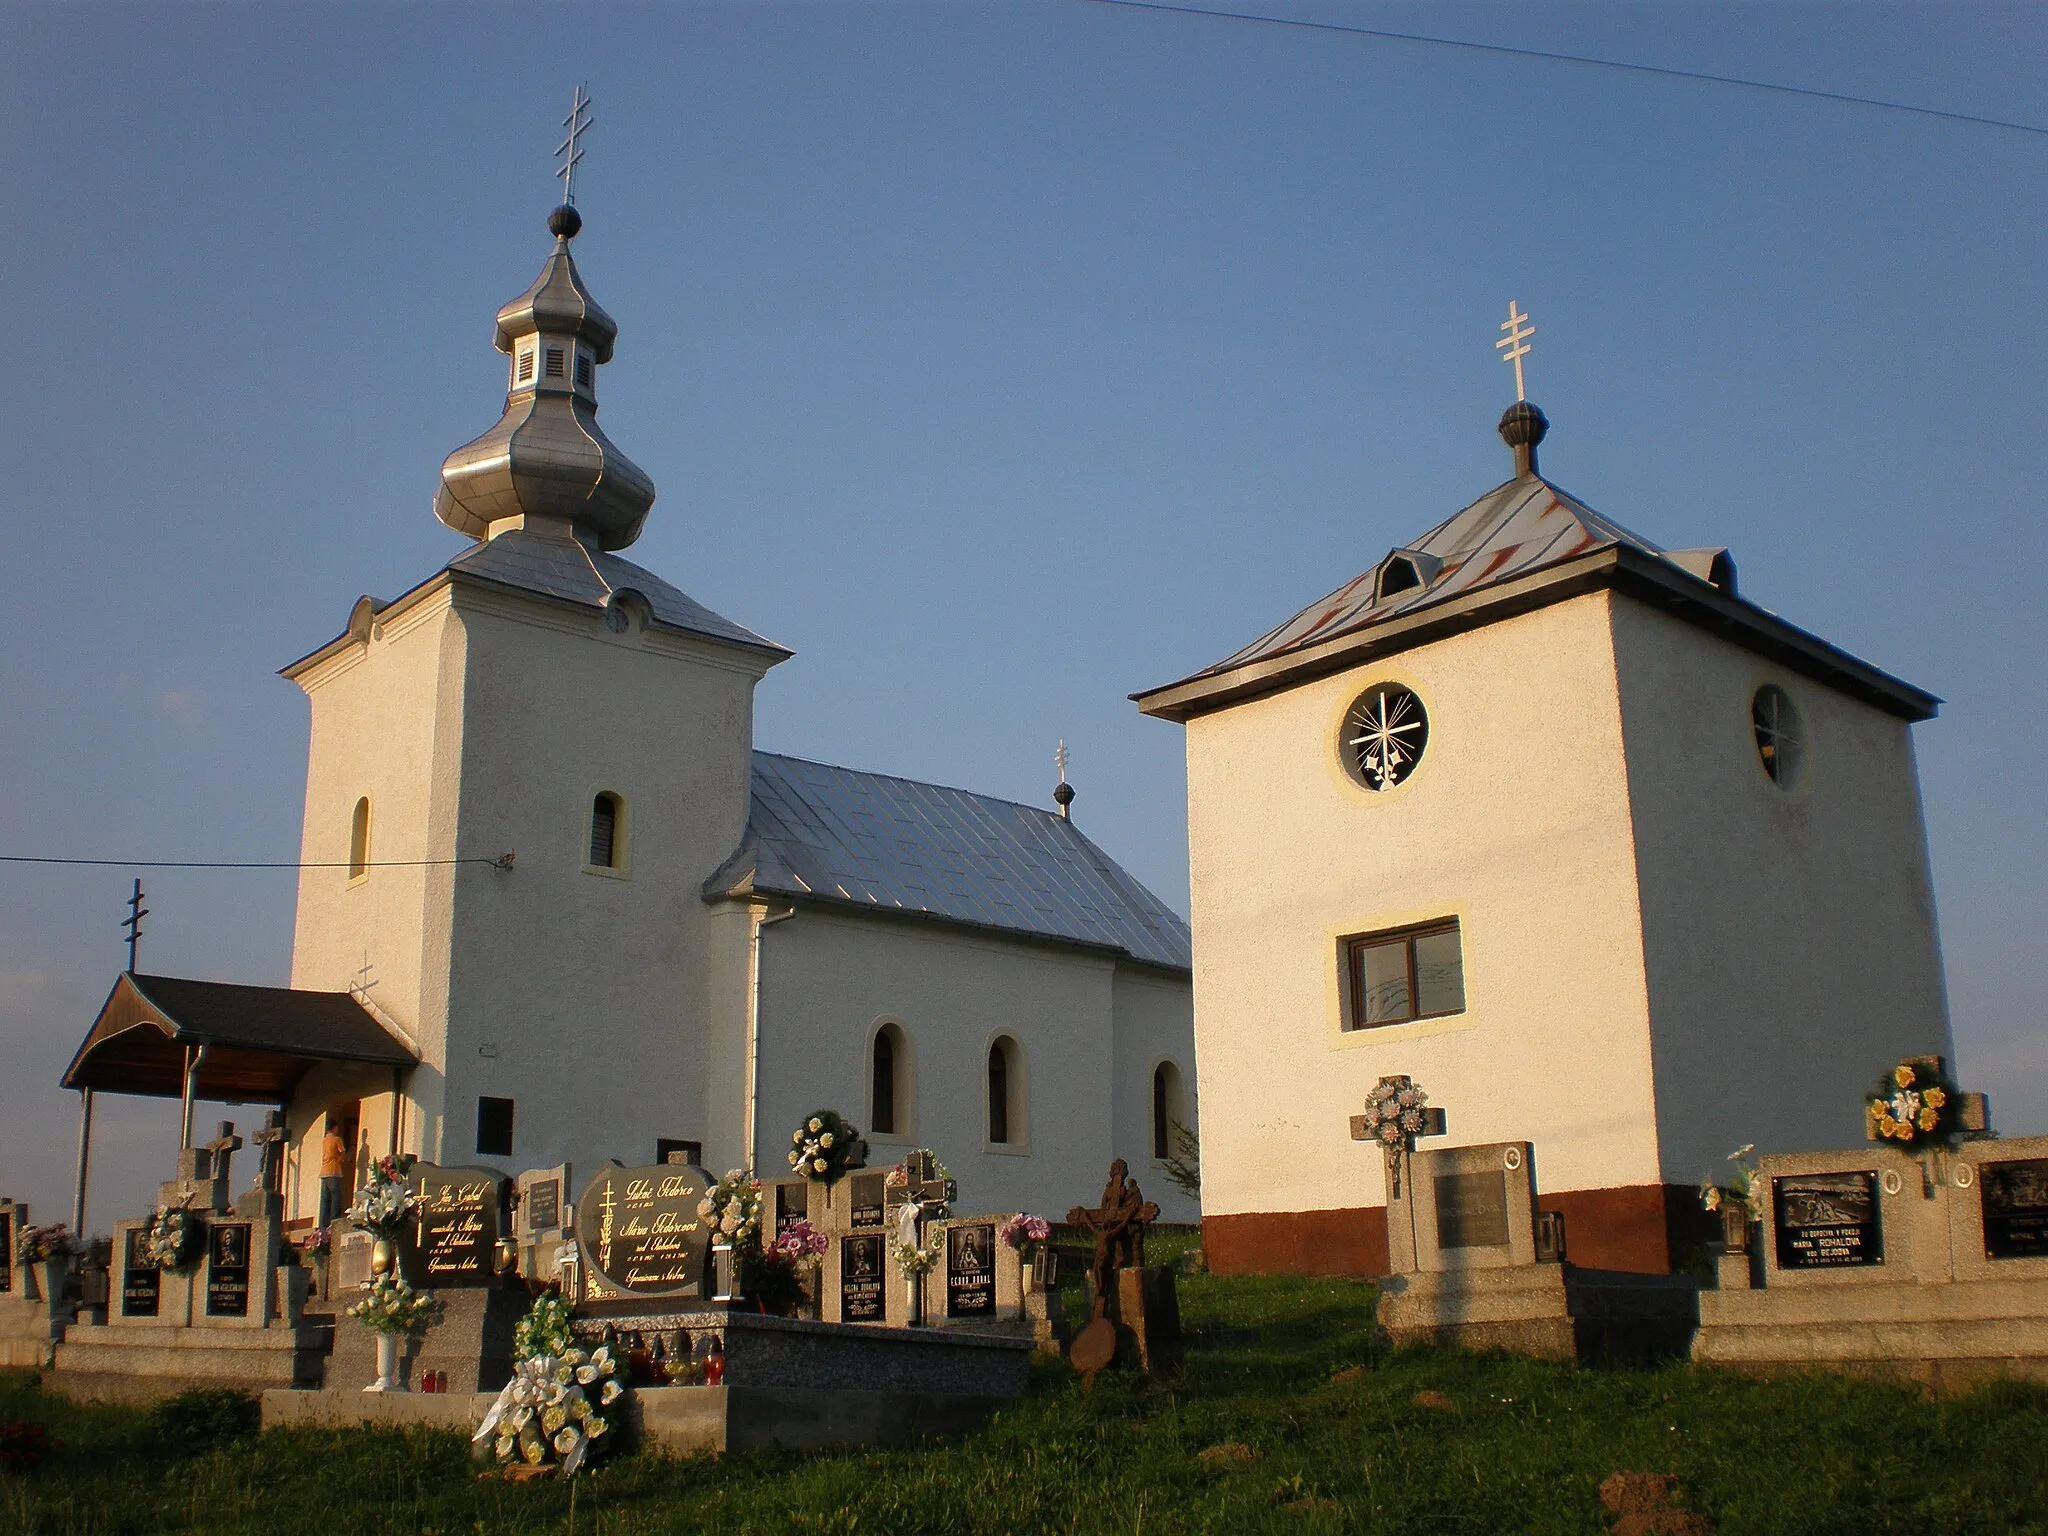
[564,222]
[1063,792]
[1522,427]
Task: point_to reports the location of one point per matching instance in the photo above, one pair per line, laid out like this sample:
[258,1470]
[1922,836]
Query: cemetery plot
[971,1271]
[861,1274]
[1827,1220]
[2015,1209]
[227,1269]
[1471,1210]
[638,1228]
[458,1223]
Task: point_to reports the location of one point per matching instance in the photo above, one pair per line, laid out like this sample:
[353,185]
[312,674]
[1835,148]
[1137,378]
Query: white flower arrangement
[1746,1186]
[386,1204]
[389,1305]
[172,1238]
[555,1406]
[1394,1112]
[826,1146]
[913,1261]
[732,1206]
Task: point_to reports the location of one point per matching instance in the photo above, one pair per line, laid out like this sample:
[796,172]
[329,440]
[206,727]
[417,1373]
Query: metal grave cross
[1514,346]
[1434,1123]
[577,122]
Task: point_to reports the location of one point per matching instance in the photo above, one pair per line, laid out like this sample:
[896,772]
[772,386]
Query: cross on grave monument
[1397,1150]
[264,1193]
[1145,1301]
[921,1196]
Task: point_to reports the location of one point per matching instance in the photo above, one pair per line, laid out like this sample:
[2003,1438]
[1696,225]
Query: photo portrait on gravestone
[860,1279]
[971,1271]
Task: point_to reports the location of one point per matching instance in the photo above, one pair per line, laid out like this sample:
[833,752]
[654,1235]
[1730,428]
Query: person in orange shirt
[333,1173]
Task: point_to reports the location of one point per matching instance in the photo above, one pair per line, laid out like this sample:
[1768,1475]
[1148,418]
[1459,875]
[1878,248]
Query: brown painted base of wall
[1644,1229]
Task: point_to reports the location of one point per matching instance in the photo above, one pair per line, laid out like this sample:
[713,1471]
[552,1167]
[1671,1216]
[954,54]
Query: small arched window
[1007,1116]
[359,840]
[882,1117]
[605,841]
[1168,1108]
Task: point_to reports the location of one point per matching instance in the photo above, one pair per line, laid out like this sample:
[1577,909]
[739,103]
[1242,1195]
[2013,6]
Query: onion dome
[547,457]
[1523,428]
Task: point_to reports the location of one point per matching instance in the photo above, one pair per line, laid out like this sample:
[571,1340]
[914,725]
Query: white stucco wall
[1154,1023]
[1790,938]
[1517,823]
[828,980]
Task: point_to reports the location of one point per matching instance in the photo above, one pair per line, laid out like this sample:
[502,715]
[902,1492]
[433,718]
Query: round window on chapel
[1780,735]
[1384,735]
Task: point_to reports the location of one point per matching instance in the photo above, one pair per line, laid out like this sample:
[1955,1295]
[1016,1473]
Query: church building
[557,908]
[1558,824]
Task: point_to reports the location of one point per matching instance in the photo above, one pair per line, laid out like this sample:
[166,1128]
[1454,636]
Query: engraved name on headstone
[227,1269]
[638,1230]
[1472,1210]
[868,1198]
[141,1281]
[971,1271]
[1827,1220]
[458,1223]
[860,1279]
[2015,1208]
[543,1205]
[792,1205]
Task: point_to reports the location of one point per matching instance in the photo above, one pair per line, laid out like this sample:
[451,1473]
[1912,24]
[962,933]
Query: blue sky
[1001,359]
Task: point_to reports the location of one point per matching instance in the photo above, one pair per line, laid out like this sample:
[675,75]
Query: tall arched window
[605,841]
[882,1116]
[1168,1107]
[1007,1121]
[359,840]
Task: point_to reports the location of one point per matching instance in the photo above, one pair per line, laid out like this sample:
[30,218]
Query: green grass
[1523,1446]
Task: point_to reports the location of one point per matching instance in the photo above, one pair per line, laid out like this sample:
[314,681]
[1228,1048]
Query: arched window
[1007,1125]
[882,1117]
[1168,1107]
[359,840]
[606,843]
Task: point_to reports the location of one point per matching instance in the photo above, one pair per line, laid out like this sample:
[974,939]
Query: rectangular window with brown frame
[1402,974]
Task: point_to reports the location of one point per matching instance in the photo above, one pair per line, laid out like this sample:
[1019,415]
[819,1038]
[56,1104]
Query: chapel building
[1556,823]
[572,914]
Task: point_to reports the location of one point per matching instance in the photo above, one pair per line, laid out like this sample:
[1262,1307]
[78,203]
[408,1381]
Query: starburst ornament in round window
[1384,734]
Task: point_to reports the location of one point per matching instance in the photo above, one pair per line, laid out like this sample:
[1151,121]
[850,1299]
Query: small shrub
[203,1419]
[25,1445]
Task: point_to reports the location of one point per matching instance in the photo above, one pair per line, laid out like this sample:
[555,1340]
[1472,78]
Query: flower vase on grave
[383,1258]
[387,1365]
[1735,1226]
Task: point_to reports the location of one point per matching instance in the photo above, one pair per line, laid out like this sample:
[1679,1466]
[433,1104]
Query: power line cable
[1575,58]
[502,861]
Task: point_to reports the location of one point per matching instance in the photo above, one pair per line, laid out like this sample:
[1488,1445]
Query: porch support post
[84,1163]
[185,1116]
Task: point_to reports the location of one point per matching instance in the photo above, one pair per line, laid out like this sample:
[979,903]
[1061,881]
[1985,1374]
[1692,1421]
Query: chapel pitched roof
[1522,545]
[874,842]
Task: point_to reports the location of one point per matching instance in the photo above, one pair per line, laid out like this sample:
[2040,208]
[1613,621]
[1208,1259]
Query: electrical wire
[1575,58]
[502,861]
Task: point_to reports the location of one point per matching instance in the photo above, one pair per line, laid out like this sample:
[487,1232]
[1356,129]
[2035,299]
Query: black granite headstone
[867,1197]
[543,1205]
[2015,1208]
[141,1281]
[1827,1220]
[1472,1210]
[792,1205]
[861,1272]
[6,1251]
[227,1269]
[971,1271]
[459,1223]
[639,1230]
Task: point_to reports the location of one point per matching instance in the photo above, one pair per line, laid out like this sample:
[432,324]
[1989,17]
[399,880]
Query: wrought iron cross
[577,122]
[133,923]
[1514,346]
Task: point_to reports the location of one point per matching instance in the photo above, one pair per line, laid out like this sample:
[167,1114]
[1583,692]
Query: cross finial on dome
[1514,346]
[578,123]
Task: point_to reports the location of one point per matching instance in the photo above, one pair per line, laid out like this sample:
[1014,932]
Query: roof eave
[1647,577]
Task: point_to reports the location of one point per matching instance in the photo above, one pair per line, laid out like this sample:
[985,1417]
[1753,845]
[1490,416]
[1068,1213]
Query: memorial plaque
[1472,1210]
[1827,1220]
[458,1223]
[638,1230]
[861,1272]
[227,1269]
[543,1205]
[971,1271]
[6,1251]
[792,1205]
[2015,1209]
[868,1198]
[141,1281]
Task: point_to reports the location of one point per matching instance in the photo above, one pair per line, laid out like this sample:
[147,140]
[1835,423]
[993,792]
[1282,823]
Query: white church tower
[1600,853]
[542,703]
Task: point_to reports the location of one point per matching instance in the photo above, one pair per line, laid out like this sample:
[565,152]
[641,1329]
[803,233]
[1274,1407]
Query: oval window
[1384,735]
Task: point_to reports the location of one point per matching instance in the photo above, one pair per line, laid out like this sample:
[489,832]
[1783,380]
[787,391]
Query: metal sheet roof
[1512,530]
[869,840]
[569,570]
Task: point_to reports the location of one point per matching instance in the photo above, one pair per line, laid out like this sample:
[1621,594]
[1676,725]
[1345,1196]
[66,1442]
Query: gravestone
[542,1221]
[30,1318]
[227,1268]
[971,1270]
[792,1205]
[867,1197]
[460,1218]
[9,1226]
[639,1234]
[863,1275]
[2015,1208]
[1827,1220]
[1118,1225]
[141,1281]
